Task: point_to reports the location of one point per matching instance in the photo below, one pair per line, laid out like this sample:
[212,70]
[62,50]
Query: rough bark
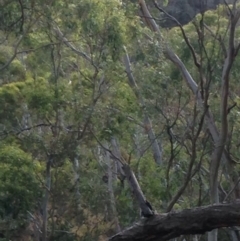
[191,221]
[137,192]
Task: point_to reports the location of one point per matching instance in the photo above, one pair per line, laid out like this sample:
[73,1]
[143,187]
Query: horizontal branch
[190,221]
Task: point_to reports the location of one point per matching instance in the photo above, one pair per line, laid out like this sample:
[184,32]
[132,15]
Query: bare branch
[220,40]
[220,144]
[71,46]
[189,174]
[183,34]
[236,184]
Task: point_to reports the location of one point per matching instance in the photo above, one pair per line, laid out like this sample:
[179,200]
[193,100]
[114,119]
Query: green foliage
[6,53]
[19,188]
[17,71]
[39,96]
[65,97]
[10,101]
[10,16]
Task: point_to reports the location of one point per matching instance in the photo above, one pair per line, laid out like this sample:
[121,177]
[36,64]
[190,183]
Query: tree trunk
[76,181]
[111,191]
[46,199]
[117,153]
[146,210]
[219,139]
[190,221]
[156,148]
[234,234]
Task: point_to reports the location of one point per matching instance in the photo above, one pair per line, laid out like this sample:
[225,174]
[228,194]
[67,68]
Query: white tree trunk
[76,181]
[110,165]
[117,153]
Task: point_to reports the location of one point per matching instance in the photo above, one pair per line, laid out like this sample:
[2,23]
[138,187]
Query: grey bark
[133,183]
[137,192]
[190,221]
[36,224]
[26,118]
[234,234]
[220,144]
[195,238]
[70,45]
[110,165]
[117,156]
[169,54]
[138,151]
[219,140]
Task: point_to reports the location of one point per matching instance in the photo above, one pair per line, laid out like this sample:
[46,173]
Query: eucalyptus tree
[215,59]
[89,96]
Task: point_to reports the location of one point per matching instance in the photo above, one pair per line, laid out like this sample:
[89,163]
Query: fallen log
[190,221]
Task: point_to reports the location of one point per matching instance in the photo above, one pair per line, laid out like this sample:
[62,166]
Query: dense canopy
[103,113]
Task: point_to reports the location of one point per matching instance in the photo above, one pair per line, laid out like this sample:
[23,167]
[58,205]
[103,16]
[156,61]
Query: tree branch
[196,62]
[71,46]
[189,221]
[156,148]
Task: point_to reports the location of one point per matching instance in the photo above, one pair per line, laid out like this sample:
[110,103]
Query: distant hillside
[185,10]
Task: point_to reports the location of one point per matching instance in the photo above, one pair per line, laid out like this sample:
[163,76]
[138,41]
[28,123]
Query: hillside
[185,10]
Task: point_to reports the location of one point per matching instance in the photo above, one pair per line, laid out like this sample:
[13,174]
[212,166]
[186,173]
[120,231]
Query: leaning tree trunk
[219,138]
[156,148]
[146,209]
